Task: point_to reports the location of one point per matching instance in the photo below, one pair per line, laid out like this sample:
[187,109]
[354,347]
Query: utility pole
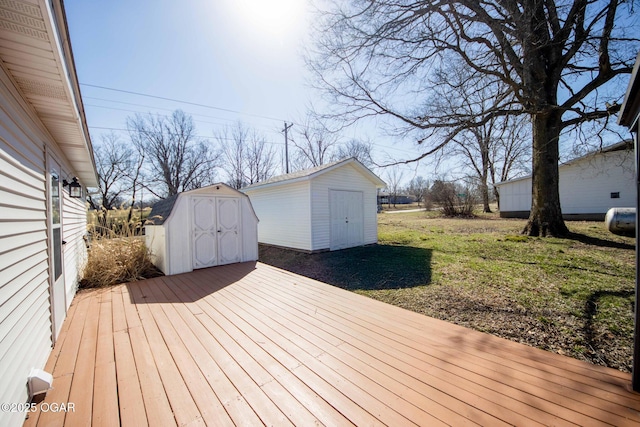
[286,146]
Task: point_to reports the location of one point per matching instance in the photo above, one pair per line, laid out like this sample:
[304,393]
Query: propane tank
[621,221]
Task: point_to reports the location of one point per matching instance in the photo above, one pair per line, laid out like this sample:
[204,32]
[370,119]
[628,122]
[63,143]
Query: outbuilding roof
[620,146]
[307,174]
[161,210]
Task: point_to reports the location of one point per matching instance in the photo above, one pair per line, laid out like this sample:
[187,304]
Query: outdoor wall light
[75,189]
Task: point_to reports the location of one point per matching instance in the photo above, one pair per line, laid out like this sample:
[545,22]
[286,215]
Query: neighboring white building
[589,186]
[209,226]
[44,143]
[333,206]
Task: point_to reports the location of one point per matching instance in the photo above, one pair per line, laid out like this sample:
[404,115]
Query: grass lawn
[572,296]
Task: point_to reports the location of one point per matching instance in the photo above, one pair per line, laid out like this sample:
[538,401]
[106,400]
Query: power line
[153,107]
[262,127]
[211,138]
[181,101]
[203,106]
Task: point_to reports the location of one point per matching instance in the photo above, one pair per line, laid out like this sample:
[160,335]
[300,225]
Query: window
[615,195]
[55,222]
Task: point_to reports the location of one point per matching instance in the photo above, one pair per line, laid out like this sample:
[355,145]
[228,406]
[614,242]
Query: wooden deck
[249,344]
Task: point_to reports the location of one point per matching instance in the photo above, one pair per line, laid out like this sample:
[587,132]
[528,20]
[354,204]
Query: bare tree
[135,175]
[360,150]
[560,62]
[177,159]
[419,188]
[114,161]
[511,152]
[260,159]
[248,157]
[479,145]
[394,183]
[314,143]
[233,142]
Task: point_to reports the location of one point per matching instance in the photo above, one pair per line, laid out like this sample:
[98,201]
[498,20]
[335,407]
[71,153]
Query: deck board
[105,411]
[250,344]
[265,371]
[452,358]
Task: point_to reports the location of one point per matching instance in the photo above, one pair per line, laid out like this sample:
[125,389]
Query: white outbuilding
[209,226]
[329,207]
[589,185]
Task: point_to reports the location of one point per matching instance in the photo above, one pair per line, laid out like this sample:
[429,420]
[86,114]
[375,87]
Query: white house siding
[283,212]
[74,228]
[349,179]
[25,312]
[25,325]
[585,187]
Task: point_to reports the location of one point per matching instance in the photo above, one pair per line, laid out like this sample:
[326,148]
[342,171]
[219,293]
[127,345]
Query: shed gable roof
[311,173]
[161,211]
[620,146]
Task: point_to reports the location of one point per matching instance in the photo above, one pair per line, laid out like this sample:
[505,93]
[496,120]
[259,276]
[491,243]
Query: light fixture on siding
[75,189]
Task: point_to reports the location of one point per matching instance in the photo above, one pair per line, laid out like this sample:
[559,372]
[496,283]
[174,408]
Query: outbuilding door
[216,230]
[347,219]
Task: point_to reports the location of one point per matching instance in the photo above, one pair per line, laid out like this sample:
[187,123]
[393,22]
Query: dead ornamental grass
[117,260]
[117,254]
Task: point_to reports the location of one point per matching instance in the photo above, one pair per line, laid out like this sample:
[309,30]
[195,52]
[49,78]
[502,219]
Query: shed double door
[347,219]
[216,230]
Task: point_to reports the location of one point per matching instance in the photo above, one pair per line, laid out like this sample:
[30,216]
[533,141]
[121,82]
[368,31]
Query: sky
[227,60]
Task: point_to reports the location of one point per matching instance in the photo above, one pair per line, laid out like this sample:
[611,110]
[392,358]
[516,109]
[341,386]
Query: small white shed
[333,206]
[209,226]
[589,186]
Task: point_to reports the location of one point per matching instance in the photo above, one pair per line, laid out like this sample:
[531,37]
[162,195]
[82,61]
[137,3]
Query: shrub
[117,254]
[454,200]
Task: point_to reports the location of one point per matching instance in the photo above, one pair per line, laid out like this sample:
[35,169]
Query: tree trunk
[484,189]
[545,218]
[484,146]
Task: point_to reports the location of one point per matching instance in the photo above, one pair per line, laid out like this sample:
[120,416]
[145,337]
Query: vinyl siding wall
[345,178]
[25,316]
[155,240]
[74,228]
[585,186]
[25,326]
[178,231]
[284,215]
[515,196]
